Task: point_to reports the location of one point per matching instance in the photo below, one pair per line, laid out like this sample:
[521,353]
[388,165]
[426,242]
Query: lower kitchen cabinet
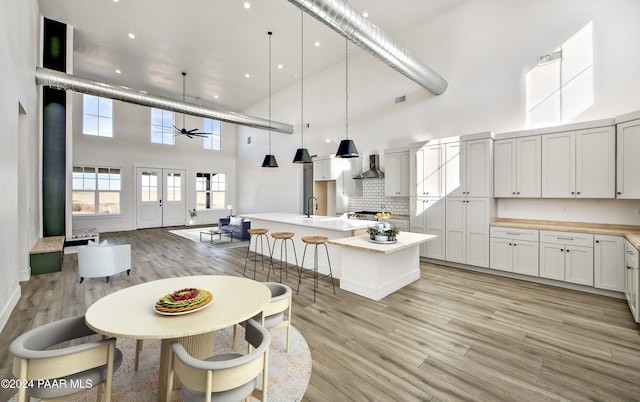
[567,257]
[428,216]
[608,262]
[467,230]
[631,279]
[514,250]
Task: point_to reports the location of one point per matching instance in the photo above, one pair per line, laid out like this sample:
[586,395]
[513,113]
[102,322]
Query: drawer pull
[513,234]
[564,238]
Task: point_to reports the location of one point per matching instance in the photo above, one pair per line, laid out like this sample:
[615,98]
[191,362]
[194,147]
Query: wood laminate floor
[452,335]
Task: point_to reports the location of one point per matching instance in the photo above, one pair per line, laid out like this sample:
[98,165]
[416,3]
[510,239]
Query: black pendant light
[347,148]
[269,159]
[302,154]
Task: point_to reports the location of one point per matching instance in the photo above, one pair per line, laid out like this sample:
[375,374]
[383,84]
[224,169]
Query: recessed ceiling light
[365,14]
[317,43]
[246,5]
[280,66]
[215,97]
[118,72]
[115,1]
[247,75]
[132,36]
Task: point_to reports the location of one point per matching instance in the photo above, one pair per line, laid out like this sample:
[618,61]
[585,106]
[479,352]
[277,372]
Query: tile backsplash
[373,198]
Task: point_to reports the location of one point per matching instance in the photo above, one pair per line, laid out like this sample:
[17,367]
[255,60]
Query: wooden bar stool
[256,234]
[315,241]
[284,253]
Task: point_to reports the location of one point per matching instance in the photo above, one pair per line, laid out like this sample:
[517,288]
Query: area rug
[194,235]
[289,373]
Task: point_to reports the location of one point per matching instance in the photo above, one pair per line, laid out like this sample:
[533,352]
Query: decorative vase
[382,238]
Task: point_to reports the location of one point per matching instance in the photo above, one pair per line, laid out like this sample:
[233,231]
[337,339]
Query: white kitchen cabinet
[628,160]
[325,169]
[469,168]
[517,167]
[608,262]
[396,176]
[579,164]
[566,256]
[351,168]
[427,171]
[514,250]
[631,291]
[428,216]
[467,230]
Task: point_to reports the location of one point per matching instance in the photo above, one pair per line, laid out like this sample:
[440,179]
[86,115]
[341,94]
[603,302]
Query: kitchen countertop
[405,239]
[631,233]
[339,224]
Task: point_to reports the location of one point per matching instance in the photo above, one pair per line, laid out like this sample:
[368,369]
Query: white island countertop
[404,240]
[339,224]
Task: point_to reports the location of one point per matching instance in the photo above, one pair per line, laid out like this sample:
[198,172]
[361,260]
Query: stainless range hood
[374,171]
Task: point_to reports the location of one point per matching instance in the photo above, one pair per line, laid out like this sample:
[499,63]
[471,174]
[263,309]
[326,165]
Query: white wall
[19,205]
[131,147]
[484,49]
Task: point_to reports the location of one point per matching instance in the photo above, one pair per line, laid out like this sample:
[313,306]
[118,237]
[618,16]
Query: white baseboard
[9,305]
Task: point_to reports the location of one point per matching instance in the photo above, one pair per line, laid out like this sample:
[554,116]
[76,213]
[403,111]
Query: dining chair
[72,368]
[227,376]
[273,315]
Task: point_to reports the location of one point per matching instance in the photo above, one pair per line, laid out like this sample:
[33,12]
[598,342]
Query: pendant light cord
[302,77]
[269,33]
[346,80]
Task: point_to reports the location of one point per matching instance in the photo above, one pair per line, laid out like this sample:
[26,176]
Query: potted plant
[192,214]
[373,231]
[392,233]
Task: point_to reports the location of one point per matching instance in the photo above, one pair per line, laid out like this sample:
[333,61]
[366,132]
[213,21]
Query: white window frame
[99,180]
[103,118]
[214,141]
[165,128]
[217,183]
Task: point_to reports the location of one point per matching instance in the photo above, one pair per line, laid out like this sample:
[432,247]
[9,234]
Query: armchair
[78,367]
[103,260]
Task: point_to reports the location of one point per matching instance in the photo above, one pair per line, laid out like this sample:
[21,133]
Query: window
[95,190]
[214,127]
[210,190]
[162,127]
[97,116]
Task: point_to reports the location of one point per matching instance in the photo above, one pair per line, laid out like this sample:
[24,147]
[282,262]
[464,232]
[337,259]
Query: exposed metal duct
[348,22]
[57,79]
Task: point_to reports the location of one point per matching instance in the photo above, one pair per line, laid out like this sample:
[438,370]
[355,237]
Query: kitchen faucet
[309,208]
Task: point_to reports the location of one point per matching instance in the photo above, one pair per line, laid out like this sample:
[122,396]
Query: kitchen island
[315,225]
[375,270]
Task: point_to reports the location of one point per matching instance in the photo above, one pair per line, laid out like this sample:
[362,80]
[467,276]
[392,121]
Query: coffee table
[235,299]
[213,232]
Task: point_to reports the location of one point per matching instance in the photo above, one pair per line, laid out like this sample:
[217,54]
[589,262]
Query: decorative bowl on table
[183,301]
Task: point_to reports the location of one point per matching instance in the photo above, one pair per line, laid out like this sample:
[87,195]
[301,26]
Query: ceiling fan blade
[192,130]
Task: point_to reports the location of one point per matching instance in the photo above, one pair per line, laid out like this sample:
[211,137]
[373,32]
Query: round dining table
[130,313]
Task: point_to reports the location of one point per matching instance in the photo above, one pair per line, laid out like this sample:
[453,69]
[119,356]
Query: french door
[160,195]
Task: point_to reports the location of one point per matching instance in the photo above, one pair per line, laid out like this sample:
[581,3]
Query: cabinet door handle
[515,244]
[562,249]
[567,250]
[578,192]
[597,241]
[619,192]
[513,192]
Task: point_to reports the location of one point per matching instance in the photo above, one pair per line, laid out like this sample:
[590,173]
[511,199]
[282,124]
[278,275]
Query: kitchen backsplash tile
[373,197]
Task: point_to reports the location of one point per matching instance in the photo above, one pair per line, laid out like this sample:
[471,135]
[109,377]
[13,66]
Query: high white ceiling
[216,42]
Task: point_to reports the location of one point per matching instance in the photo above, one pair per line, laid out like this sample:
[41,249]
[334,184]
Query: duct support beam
[60,80]
[348,22]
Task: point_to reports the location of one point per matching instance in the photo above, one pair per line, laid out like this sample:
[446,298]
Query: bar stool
[284,264]
[257,234]
[315,241]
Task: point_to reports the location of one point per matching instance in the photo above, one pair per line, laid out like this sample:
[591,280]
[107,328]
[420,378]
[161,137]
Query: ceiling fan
[183,131]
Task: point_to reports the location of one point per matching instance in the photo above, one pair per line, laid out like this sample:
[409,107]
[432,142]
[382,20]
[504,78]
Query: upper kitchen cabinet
[352,168]
[628,162]
[469,168]
[427,170]
[579,164]
[396,177]
[517,167]
[325,168]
